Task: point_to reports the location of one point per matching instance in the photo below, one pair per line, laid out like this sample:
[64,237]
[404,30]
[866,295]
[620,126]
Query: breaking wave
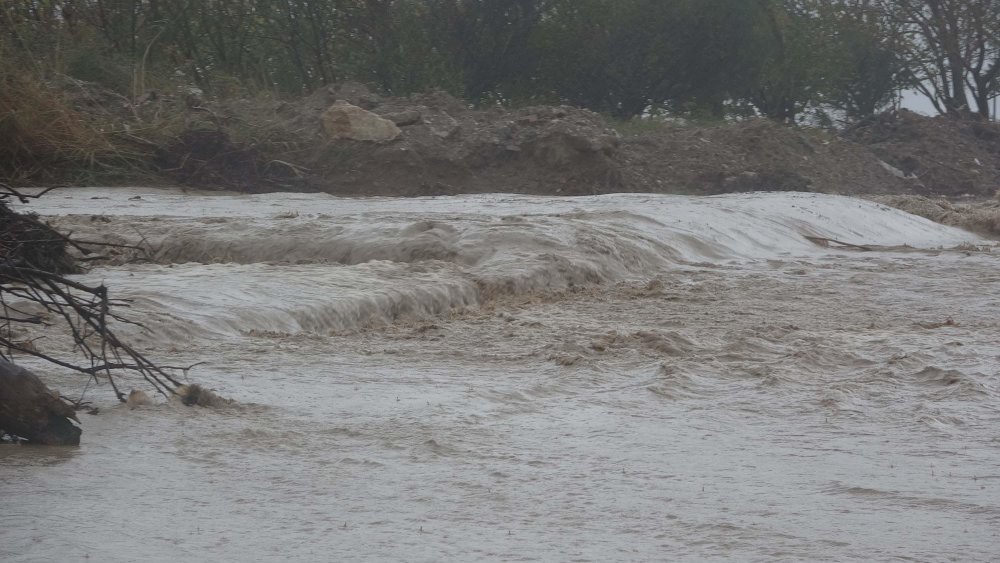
[313,263]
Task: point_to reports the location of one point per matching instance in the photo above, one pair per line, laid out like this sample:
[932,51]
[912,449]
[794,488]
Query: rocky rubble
[446,147]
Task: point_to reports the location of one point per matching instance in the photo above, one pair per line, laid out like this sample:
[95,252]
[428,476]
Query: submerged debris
[24,239]
[196,395]
[138,398]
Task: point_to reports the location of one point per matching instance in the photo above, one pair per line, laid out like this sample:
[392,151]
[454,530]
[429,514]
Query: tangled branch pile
[34,291]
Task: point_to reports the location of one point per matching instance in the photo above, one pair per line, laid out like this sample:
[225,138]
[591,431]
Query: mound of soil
[941,156]
[757,154]
[448,148]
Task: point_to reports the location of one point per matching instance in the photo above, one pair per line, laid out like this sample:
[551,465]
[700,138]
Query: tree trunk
[30,410]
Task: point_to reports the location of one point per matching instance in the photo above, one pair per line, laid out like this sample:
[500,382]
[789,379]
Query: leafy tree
[827,55]
[789,79]
[867,71]
[626,56]
[487,42]
[952,49]
[779,58]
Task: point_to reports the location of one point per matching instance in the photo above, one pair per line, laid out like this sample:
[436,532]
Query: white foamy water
[495,377]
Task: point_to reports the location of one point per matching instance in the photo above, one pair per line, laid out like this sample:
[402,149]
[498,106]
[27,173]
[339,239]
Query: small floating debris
[195,394]
[829,242]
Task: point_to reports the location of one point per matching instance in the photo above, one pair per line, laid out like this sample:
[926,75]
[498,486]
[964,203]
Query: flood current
[499,377]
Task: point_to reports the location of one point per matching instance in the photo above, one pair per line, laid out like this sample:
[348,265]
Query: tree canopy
[785,59]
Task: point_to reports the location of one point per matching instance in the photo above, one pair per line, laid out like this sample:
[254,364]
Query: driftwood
[31,411]
[33,268]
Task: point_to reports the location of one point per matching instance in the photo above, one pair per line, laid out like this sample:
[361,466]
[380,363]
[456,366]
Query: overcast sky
[919,103]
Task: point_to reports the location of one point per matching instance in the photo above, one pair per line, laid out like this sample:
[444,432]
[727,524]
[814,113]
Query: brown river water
[494,377]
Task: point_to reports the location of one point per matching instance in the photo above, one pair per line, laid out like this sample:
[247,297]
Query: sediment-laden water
[611,378]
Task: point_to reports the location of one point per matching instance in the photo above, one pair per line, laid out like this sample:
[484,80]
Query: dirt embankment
[937,156]
[757,154]
[442,146]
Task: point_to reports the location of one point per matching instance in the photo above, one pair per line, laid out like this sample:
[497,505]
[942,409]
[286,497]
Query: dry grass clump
[65,131]
[40,133]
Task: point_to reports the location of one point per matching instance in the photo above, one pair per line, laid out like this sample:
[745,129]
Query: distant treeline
[786,59]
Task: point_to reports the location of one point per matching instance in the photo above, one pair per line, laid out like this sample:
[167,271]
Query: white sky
[914,101]
[917,102]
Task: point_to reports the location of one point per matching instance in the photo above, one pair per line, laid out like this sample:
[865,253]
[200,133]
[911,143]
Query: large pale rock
[442,124]
[346,121]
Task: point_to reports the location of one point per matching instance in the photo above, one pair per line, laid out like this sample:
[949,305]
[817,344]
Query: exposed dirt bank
[937,156]
[442,146]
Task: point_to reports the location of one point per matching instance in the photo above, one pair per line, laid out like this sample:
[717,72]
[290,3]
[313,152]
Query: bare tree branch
[30,258]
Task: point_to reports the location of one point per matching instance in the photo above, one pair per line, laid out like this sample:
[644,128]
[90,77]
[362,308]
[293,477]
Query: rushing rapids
[622,377]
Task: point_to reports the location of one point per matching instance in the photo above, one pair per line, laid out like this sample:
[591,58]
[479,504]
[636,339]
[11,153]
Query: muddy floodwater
[495,377]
